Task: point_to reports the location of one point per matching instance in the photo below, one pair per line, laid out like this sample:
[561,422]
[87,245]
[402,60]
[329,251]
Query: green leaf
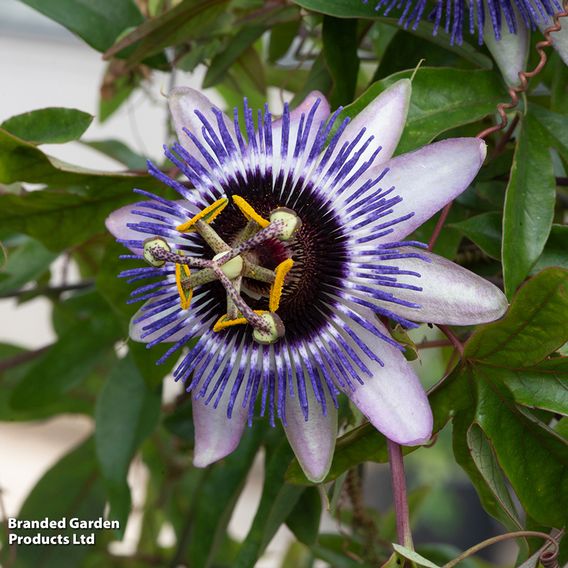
[281,78]
[297,556]
[114,290]
[501,445]
[304,520]
[561,428]
[544,386]
[533,458]
[216,500]
[276,503]
[534,326]
[67,362]
[58,218]
[485,474]
[484,230]
[340,45]
[201,52]
[98,22]
[26,263]
[249,67]
[556,126]
[413,556]
[442,99]
[49,125]
[483,456]
[127,412]
[529,204]
[180,422]
[12,376]
[118,151]
[71,488]
[400,335]
[555,251]
[281,38]
[190,19]
[236,47]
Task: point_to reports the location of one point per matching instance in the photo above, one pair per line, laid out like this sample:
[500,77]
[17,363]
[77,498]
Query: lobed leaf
[534,326]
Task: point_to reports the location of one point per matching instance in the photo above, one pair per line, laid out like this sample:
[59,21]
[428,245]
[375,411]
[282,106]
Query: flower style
[503,25]
[277,267]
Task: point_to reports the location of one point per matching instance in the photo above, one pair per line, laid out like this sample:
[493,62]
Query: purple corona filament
[453,15]
[295,168]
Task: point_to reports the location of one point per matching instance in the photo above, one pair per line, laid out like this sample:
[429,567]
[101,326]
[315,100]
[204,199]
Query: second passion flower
[275,267]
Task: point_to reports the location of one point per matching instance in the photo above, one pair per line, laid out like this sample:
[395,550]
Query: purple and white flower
[280,257]
[503,25]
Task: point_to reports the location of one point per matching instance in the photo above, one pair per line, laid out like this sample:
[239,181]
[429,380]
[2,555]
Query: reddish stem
[452,337]
[403,532]
[439,225]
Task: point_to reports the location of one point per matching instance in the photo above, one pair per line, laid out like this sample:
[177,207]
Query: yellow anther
[223,322]
[248,211]
[184,298]
[208,215]
[276,289]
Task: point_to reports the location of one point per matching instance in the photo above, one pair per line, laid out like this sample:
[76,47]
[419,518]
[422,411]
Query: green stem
[518,534]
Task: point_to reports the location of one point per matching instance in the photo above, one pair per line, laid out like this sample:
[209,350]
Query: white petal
[511,51]
[392,399]
[450,294]
[384,118]
[431,177]
[217,436]
[117,223]
[313,441]
[183,102]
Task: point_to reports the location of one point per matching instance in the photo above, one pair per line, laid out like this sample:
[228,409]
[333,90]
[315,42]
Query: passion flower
[283,252]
